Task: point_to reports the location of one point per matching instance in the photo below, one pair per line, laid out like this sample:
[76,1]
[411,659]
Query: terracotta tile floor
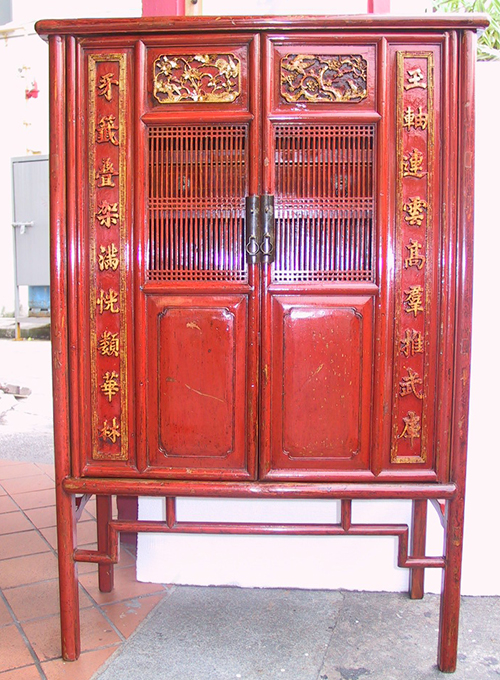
[29,619]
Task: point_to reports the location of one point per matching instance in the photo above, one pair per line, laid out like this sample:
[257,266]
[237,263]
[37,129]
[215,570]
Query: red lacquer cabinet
[261,273]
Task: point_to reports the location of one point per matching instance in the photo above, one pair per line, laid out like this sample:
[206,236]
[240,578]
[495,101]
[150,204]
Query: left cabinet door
[197,310]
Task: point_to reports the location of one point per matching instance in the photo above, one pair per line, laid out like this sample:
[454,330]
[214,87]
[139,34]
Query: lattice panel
[197,189]
[324,203]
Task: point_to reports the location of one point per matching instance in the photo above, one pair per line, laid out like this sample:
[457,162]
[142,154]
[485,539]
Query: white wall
[24,123]
[482,552]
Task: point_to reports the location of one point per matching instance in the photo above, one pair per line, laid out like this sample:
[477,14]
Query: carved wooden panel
[107,132]
[414,256]
[196,78]
[316,78]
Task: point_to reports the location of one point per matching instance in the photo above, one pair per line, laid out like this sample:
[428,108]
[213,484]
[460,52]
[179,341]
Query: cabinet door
[199,295]
[200,345]
[319,293]
[320,383]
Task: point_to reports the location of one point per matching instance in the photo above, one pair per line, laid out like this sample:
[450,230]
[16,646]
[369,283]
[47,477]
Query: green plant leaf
[488,46]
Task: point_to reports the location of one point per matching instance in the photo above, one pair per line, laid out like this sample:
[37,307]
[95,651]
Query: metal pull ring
[252,246]
[267,245]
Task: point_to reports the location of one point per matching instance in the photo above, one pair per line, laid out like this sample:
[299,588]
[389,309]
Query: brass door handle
[259,246]
[268,228]
[252,246]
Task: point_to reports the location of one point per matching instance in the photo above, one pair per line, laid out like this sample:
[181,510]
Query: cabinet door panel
[197,388]
[320,384]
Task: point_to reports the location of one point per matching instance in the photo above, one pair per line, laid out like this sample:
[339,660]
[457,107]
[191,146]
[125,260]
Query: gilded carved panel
[317,78]
[107,229]
[196,78]
[415,163]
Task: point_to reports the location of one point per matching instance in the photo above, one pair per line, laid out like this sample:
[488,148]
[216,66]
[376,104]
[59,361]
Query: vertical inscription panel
[197,384]
[418,227]
[108,227]
[321,384]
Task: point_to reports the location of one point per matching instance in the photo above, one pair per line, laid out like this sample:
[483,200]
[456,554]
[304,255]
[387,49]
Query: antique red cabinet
[261,273]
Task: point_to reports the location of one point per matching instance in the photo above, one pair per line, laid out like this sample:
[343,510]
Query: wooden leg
[128,507]
[450,595]
[104,515]
[418,536]
[68,576]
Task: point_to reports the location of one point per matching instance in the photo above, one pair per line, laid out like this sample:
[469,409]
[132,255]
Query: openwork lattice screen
[197,189]
[324,203]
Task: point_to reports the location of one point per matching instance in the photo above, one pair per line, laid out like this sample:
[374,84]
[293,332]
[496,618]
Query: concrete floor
[226,633]
[222,633]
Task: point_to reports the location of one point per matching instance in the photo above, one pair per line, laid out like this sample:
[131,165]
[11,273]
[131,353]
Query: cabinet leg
[104,515]
[418,536]
[450,594]
[68,577]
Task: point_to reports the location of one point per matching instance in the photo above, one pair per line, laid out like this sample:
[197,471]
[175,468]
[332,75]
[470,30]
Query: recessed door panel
[196,395]
[320,384]
[197,384]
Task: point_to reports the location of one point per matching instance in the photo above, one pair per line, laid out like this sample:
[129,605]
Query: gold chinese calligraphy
[107,174]
[415,117]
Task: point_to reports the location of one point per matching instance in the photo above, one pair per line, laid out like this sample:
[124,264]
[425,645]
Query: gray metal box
[31,220]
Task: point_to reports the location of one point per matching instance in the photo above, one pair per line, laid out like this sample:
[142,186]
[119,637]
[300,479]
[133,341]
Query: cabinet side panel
[58,257]
[450,602]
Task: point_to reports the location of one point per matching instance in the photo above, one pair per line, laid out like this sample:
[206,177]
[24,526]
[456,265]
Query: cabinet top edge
[182,24]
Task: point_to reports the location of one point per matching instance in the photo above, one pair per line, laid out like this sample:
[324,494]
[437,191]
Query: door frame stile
[254,185]
[267,187]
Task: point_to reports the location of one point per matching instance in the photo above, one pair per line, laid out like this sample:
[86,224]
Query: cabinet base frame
[411,553]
